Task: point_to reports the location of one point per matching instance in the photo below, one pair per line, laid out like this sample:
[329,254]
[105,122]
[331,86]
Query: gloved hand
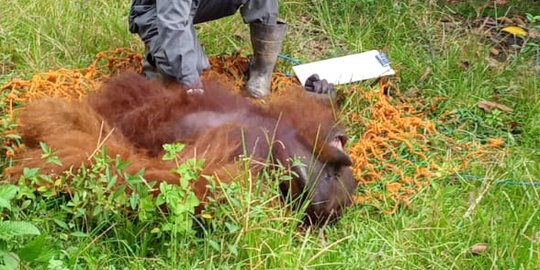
[317,86]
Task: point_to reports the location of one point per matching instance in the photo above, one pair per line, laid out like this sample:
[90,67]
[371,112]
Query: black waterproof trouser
[166,28]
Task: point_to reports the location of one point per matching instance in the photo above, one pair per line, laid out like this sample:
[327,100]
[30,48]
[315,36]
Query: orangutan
[134,117]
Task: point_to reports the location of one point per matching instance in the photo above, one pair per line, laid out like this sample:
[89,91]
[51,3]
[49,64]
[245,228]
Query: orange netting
[392,159]
[72,83]
[395,157]
[76,83]
[393,149]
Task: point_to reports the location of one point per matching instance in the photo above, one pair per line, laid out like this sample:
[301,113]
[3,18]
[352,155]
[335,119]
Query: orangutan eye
[327,174]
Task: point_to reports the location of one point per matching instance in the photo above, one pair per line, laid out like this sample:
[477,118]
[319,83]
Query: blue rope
[290,59]
[284,57]
[506,182]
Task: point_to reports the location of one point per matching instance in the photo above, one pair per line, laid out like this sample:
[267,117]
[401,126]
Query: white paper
[345,69]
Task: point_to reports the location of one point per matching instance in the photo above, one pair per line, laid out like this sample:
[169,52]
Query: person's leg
[267,34]
[142,21]
[149,69]
[260,11]
[209,10]
[202,60]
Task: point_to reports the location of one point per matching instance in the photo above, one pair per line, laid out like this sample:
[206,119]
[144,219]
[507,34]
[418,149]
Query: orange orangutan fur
[133,117]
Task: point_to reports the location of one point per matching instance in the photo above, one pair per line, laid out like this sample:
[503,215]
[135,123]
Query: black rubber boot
[266,41]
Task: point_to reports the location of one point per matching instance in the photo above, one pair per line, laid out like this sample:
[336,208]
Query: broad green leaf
[134,180]
[56,265]
[54,160]
[169,156]
[12,136]
[79,234]
[171,150]
[34,249]
[44,147]
[9,229]
[121,165]
[30,173]
[8,260]
[214,245]
[112,182]
[134,200]
[233,249]
[232,227]
[192,201]
[184,182]
[5,204]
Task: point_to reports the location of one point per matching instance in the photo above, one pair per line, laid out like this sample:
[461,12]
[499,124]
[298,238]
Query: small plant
[180,199]
[10,230]
[9,141]
[494,119]
[103,193]
[534,19]
[531,46]
[49,155]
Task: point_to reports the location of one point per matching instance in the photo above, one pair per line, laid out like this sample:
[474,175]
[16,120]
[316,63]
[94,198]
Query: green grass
[248,232]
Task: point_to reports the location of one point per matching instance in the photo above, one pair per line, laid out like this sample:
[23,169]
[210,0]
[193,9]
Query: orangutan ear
[336,156]
[334,151]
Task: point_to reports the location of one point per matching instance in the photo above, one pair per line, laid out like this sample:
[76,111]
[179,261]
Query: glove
[317,86]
